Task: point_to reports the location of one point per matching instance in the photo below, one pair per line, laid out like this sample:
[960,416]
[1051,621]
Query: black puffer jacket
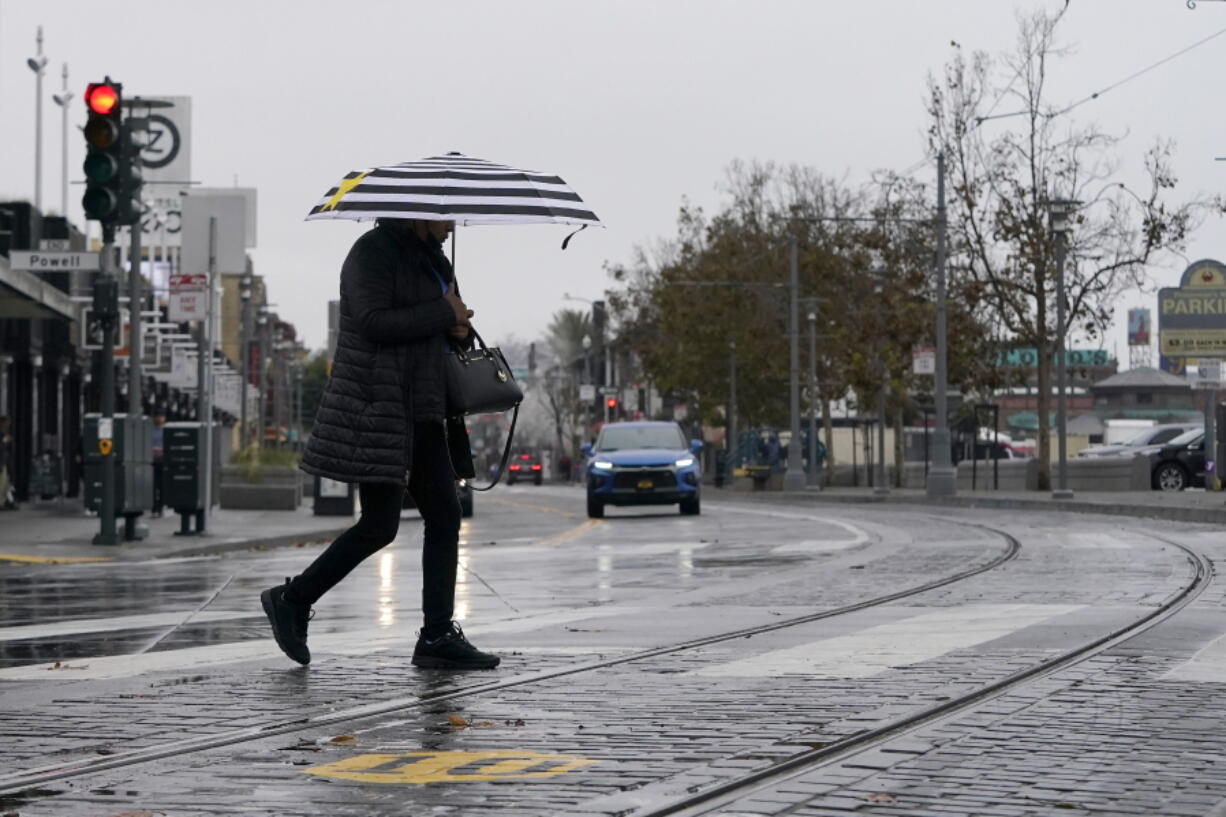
[388,369]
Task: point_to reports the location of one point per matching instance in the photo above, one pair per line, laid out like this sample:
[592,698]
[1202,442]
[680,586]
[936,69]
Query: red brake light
[514,468]
[101,98]
[536,468]
[525,457]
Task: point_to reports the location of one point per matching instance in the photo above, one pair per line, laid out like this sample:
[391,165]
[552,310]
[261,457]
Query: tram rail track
[722,795]
[16,783]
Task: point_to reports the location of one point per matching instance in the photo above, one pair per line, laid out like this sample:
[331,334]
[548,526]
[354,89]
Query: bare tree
[1004,171]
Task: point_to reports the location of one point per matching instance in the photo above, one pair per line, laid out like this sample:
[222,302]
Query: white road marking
[1208,665]
[1099,541]
[353,642]
[900,643]
[116,623]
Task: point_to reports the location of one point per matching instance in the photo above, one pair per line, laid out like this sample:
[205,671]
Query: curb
[1175,514]
[232,545]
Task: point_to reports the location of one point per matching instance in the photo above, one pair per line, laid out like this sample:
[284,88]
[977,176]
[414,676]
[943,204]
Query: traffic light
[610,409]
[104,151]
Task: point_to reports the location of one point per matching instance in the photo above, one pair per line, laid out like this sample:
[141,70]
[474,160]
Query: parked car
[1181,463]
[642,463]
[1146,442]
[525,466]
[464,492]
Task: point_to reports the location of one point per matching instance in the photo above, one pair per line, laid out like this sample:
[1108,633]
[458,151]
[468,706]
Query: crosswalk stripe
[911,640]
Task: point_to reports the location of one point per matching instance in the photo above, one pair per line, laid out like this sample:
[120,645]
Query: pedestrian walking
[382,416]
[6,465]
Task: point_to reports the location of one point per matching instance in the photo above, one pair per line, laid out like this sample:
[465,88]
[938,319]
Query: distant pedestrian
[382,416]
[6,465]
[159,437]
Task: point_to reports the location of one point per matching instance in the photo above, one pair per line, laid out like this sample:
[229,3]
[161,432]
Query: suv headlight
[685,462]
[602,465]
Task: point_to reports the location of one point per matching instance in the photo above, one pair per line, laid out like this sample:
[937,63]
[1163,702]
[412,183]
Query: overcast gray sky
[635,103]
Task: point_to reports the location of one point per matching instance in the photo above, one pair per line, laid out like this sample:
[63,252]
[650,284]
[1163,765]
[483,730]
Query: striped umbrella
[455,188]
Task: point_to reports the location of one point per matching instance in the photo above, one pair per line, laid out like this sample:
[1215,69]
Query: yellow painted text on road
[450,767]
[52,560]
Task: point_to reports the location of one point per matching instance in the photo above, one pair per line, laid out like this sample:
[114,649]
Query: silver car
[1146,442]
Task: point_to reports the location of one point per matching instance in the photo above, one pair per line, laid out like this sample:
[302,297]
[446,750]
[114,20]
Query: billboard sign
[1139,327]
[1192,316]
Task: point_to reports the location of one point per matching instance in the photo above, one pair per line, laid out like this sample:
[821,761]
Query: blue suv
[642,463]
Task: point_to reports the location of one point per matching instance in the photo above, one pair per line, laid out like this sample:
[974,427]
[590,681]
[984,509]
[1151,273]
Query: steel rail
[722,795]
[21,781]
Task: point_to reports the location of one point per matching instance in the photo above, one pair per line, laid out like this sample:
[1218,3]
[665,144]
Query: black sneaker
[289,622]
[451,650]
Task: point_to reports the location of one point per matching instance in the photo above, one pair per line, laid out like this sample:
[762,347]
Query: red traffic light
[611,402]
[101,98]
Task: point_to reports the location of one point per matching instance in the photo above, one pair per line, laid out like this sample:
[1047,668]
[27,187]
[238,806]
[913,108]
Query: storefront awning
[25,295]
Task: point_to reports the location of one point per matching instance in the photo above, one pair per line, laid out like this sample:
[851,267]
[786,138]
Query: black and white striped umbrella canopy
[455,188]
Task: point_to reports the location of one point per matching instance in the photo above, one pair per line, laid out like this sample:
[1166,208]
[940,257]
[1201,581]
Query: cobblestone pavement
[629,736]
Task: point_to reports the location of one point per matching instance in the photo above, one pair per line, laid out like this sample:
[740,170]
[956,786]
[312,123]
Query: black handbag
[479,381]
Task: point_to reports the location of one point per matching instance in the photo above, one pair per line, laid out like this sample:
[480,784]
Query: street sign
[924,360]
[40,261]
[1208,374]
[1192,316]
[587,393]
[188,296]
[55,244]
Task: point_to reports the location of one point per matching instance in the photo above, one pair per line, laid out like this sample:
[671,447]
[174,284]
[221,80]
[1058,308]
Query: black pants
[432,485]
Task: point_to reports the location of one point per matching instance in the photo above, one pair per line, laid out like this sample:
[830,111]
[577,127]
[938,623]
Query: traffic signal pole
[106,307]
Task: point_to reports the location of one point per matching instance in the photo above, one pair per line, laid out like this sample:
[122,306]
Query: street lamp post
[587,380]
[794,476]
[62,99]
[813,478]
[1059,213]
[244,294]
[37,65]
[942,477]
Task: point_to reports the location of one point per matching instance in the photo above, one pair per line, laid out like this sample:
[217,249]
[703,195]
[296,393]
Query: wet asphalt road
[98,661]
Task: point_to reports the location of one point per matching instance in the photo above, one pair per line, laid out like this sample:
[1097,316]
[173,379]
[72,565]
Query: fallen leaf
[341,739]
[457,720]
[880,797]
[485,724]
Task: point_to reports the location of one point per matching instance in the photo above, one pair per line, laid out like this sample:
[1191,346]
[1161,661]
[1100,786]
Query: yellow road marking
[567,535]
[53,560]
[527,506]
[450,767]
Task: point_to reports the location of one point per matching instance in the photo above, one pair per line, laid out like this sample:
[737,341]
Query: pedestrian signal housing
[103,151]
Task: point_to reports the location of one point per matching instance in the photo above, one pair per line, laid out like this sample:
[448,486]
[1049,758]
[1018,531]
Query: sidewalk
[1183,506]
[51,533]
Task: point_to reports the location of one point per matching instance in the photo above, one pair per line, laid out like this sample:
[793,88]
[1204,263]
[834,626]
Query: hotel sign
[1192,316]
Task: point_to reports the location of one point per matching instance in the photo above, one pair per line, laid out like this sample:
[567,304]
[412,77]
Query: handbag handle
[506,455]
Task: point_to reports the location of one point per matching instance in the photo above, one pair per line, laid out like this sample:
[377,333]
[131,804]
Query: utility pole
[942,477]
[206,384]
[732,430]
[794,476]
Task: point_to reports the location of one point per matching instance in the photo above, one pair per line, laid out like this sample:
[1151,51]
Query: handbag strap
[506,455]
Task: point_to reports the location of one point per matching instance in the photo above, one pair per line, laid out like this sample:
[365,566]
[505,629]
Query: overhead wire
[1090,98]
